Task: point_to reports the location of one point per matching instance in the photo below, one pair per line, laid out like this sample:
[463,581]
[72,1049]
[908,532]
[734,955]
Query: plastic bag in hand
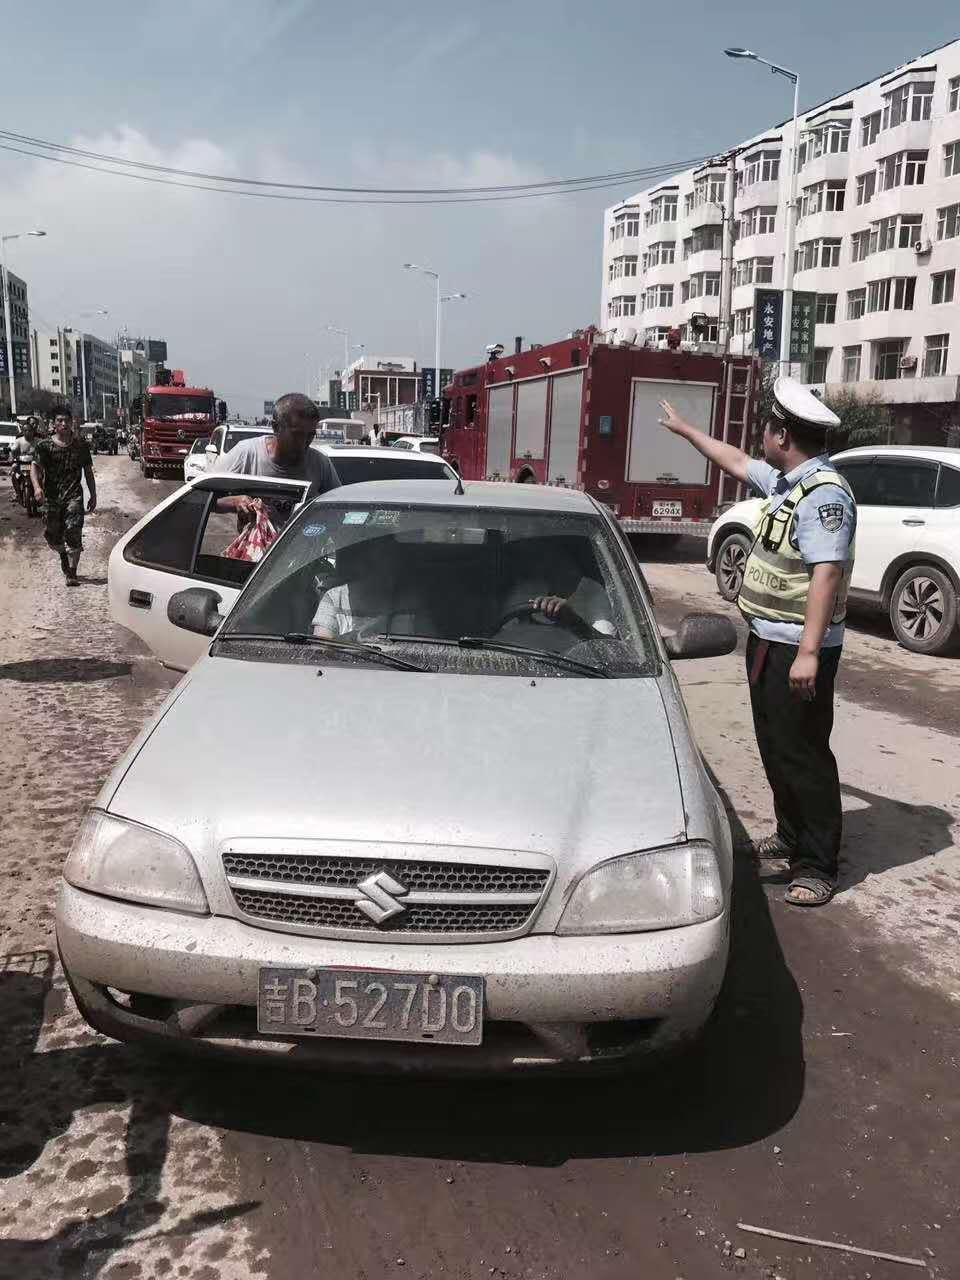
[255,540]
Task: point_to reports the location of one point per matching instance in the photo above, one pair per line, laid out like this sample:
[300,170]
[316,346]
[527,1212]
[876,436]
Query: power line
[552,186]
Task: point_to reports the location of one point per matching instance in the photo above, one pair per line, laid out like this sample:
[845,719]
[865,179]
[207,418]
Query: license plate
[370,1004]
[674,509]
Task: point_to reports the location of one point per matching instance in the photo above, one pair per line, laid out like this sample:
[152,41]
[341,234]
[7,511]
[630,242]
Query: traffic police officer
[794,600]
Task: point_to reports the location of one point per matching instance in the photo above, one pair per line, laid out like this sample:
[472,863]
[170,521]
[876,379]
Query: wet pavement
[823,1101]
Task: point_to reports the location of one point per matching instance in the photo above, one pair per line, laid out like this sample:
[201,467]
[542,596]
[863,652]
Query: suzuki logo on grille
[181,435]
[378,897]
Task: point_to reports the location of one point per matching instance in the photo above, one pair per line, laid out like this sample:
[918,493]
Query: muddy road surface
[823,1101]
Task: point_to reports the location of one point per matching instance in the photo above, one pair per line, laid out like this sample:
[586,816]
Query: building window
[851,364]
[895,293]
[659,295]
[909,231]
[762,166]
[944,283]
[948,222]
[816,370]
[935,351]
[869,129]
[859,246]
[953,94]
[856,303]
[951,159]
[887,359]
[743,321]
[687,247]
[908,102]
[684,290]
[826,308]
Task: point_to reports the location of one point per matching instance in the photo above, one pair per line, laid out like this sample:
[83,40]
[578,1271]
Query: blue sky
[428,94]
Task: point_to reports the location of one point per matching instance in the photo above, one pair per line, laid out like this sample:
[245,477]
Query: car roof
[929,453]
[478,493]
[371,451]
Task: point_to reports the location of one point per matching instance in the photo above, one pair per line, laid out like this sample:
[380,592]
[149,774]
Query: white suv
[908,540]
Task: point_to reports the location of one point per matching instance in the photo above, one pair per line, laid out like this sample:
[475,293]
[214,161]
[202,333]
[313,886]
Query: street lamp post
[791,229]
[435,276]
[7,331]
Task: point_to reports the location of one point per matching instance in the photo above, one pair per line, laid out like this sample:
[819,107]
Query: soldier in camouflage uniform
[58,465]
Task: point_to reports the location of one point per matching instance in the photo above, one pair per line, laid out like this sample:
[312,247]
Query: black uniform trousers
[794,740]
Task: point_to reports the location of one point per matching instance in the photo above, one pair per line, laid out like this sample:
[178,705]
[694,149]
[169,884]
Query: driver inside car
[548,588]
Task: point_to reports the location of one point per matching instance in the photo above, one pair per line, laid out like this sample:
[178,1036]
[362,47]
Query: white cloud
[243,288]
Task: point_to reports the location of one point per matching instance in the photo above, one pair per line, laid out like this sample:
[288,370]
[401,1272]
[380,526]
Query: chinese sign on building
[767,313]
[803,319]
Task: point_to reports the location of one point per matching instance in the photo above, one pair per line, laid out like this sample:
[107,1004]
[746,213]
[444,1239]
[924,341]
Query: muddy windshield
[180,408]
[468,589]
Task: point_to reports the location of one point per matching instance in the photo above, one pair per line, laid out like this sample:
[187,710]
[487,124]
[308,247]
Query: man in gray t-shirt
[286,455]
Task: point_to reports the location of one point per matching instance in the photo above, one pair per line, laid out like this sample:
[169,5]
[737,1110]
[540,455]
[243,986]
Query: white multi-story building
[878,242]
[53,361]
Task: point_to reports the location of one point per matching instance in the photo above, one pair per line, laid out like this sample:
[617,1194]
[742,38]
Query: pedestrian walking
[60,464]
[793,598]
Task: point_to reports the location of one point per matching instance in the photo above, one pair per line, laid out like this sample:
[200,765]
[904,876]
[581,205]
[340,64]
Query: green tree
[864,419]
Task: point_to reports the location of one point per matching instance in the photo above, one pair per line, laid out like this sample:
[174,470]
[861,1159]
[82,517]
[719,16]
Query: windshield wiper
[542,655]
[372,652]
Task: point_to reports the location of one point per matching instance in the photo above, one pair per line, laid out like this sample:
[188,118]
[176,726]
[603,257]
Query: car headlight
[658,889]
[121,859]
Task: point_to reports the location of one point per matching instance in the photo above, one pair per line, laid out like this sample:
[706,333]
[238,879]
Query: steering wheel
[570,621]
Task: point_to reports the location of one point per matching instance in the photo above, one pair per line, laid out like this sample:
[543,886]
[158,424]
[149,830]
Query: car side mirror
[701,635]
[195,609]
[211,449]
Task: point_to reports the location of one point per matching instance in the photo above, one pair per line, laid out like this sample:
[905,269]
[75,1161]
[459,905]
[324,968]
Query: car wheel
[146,472]
[731,561]
[923,610]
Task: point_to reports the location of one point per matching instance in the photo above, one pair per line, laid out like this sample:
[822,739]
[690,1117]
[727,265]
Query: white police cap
[793,400]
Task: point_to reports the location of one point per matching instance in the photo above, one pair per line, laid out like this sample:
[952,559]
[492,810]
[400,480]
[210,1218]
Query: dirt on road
[823,1100]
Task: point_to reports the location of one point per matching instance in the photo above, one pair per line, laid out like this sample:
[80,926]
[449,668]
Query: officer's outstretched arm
[726,456]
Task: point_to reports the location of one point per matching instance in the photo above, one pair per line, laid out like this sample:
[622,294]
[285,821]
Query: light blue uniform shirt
[821,533]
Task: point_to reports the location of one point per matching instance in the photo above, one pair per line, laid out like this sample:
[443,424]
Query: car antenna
[459,491]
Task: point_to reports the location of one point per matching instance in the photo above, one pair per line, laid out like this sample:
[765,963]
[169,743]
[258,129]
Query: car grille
[439,899]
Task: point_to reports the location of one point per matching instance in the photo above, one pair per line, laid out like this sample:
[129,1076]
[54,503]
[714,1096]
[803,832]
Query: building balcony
[665,273]
[913,199]
[708,306]
[705,260]
[765,194]
[906,390]
[759,246]
[834,165]
[823,226]
[912,135]
[704,215]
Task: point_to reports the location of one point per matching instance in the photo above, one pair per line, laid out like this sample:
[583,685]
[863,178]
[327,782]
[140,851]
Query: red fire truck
[173,415]
[584,412]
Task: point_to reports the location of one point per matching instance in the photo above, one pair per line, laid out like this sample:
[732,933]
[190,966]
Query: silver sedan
[426,799]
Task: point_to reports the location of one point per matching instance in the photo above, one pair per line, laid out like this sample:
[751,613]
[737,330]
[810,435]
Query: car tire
[730,563]
[146,472]
[924,610]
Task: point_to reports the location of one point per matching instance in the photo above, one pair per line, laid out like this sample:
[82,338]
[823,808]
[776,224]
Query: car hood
[580,769]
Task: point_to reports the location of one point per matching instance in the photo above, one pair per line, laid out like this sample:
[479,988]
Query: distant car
[9,433]
[206,453]
[355,463]
[908,540]
[558,896]
[417,444]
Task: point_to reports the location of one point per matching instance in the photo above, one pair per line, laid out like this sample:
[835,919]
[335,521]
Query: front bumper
[550,1001]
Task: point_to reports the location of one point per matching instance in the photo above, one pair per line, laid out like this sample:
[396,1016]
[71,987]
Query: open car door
[180,544]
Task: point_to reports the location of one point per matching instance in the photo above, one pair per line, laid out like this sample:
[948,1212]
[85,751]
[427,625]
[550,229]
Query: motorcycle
[23,488]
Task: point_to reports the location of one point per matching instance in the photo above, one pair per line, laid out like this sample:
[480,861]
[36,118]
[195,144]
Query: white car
[559,895]
[417,444]
[206,452]
[9,433]
[355,463]
[908,540]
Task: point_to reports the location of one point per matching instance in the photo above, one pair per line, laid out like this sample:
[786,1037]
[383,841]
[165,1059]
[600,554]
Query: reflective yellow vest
[776,580]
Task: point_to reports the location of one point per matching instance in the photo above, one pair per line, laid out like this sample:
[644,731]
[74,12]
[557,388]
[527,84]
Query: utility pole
[726,262]
[7,331]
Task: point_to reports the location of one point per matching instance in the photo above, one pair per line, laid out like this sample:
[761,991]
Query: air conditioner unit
[923,247]
[908,362]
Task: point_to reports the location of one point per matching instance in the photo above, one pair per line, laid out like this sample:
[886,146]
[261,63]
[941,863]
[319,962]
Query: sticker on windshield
[356,517]
[314,530]
[384,516]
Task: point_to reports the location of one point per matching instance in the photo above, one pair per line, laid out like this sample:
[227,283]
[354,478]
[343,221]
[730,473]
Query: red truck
[173,416]
[584,412]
